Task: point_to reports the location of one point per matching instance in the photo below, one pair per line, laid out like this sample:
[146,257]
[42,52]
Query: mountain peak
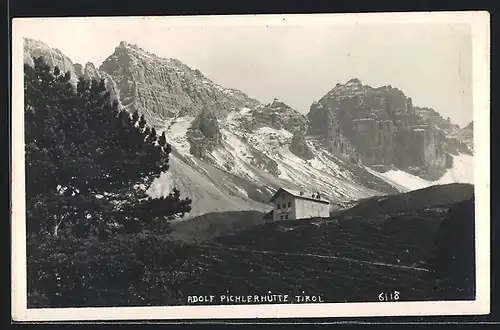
[53,57]
[33,44]
[30,41]
[126,47]
[161,87]
[90,65]
[351,87]
[90,71]
[126,44]
[138,52]
[279,105]
[354,81]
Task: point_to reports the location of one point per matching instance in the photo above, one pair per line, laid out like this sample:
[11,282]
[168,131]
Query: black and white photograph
[253,166]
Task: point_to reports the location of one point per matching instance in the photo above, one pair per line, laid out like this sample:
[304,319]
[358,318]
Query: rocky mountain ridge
[381,127]
[231,152]
[166,87]
[53,57]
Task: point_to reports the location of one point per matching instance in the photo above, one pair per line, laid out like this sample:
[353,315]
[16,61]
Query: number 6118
[391,296]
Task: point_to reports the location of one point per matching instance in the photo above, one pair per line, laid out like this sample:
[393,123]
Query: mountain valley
[231,152]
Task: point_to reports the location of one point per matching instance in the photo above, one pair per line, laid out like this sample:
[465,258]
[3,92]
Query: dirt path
[320,256]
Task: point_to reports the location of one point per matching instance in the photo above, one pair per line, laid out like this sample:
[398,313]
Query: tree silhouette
[87,162]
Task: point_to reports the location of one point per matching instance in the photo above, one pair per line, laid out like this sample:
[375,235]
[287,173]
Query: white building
[292,204]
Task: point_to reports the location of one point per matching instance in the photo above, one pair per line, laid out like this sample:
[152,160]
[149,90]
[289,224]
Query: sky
[294,60]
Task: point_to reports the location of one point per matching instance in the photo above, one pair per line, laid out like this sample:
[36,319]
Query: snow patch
[462,171]
[245,111]
[236,153]
[242,191]
[175,132]
[407,180]
[283,173]
[269,131]
[219,158]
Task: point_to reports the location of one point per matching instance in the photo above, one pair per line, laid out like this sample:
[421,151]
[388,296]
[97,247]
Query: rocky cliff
[278,115]
[444,124]
[91,73]
[53,57]
[382,128]
[299,147]
[165,87]
[204,134]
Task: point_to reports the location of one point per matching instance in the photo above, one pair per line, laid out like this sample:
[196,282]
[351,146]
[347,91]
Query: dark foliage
[94,237]
[87,163]
[453,257]
[343,261]
[347,259]
[134,270]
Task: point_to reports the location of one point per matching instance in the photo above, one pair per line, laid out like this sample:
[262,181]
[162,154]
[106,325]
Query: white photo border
[479,22]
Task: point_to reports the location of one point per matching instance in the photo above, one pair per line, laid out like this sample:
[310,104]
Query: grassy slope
[211,225]
[434,196]
[333,257]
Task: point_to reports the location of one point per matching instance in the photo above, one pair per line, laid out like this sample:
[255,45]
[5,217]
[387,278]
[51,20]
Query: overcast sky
[295,62]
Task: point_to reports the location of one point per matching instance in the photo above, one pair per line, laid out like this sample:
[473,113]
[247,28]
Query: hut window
[289,204]
[279,206]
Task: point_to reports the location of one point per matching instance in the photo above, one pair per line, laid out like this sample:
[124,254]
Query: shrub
[131,270]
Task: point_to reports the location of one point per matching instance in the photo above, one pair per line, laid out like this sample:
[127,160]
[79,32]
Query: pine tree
[85,159]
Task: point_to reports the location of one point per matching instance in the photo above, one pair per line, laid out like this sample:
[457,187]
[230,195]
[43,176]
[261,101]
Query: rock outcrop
[91,73]
[53,57]
[264,162]
[299,147]
[435,117]
[324,127]
[276,115]
[279,115]
[381,126]
[78,69]
[204,134]
[464,137]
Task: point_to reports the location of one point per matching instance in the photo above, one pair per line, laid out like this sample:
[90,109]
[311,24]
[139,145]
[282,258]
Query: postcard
[250,167]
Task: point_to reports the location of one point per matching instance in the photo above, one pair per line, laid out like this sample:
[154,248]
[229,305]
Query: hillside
[376,210]
[419,255]
[211,225]
[331,257]
[431,197]
[232,152]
